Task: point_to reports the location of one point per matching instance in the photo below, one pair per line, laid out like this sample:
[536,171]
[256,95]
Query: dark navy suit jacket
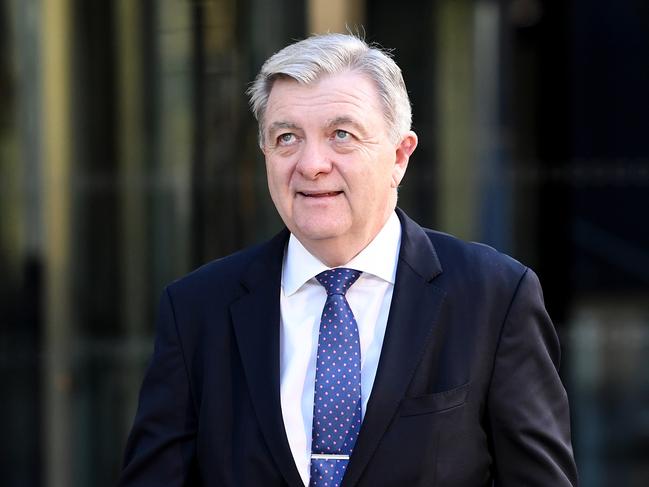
[467,391]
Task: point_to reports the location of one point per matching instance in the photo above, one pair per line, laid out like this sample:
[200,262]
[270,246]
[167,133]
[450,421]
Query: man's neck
[338,252]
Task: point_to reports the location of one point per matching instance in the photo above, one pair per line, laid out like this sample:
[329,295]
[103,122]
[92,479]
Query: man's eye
[285,139]
[342,135]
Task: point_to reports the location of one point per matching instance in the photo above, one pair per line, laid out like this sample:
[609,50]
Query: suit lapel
[256,322]
[411,327]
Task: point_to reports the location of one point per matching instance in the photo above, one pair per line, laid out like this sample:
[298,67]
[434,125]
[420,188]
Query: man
[355,348]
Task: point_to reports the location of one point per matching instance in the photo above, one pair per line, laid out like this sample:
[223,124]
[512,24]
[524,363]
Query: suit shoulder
[223,274]
[457,255]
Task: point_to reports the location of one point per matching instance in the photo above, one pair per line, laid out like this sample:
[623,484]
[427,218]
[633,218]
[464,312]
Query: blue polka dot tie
[337,400]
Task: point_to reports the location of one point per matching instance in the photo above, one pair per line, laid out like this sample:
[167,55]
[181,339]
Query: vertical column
[454,100]
[134,189]
[223,176]
[23,254]
[57,156]
[335,15]
[11,178]
[492,156]
[173,158]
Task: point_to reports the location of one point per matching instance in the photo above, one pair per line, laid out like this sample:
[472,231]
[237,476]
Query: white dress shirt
[301,302]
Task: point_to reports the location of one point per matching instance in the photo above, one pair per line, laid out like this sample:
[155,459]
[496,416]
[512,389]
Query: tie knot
[338,280]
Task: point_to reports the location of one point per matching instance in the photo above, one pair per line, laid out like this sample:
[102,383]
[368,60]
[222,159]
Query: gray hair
[327,54]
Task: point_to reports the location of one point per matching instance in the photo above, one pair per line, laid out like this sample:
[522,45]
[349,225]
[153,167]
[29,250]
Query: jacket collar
[256,321]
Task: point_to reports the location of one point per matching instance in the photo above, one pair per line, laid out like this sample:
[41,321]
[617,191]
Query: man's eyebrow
[345,120]
[276,126]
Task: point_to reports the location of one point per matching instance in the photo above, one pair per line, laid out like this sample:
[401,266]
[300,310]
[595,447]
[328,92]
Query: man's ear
[404,150]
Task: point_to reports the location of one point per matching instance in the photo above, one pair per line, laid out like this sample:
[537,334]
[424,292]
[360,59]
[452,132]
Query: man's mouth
[319,194]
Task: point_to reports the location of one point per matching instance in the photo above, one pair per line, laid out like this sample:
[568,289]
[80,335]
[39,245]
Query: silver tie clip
[328,456]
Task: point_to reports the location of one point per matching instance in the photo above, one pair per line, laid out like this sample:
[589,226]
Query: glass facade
[128,157]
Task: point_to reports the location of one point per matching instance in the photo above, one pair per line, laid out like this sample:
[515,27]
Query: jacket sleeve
[161,446]
[527,405]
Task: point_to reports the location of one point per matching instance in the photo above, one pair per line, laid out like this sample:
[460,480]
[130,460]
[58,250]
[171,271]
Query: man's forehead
[348,86]
[348,98]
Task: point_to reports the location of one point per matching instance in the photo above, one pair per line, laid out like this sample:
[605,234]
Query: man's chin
[319,231]
[321,225]
[316,234]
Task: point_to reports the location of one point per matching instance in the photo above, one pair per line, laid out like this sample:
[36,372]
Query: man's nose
[314,160]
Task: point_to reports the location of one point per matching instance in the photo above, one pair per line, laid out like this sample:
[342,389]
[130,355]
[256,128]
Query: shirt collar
[379,258]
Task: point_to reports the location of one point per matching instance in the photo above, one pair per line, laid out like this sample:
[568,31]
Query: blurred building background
[128,157]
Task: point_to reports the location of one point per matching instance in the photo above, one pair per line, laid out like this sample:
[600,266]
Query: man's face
[332,168]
